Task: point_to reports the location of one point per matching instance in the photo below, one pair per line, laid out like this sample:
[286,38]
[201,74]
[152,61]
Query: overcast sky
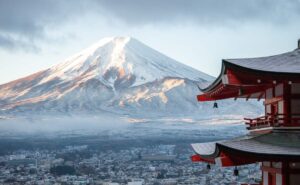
[37,34]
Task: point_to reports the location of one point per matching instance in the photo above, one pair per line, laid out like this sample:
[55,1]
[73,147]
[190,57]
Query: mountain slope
[117,74]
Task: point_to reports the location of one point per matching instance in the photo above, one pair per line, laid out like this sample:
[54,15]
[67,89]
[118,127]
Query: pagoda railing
[278,120]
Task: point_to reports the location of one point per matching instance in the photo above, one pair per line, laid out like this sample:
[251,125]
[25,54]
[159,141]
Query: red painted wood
[286,173]
[204,97]
[244,76]
[272,179]
[271,169]
[287,104]
[227,159]
[244,83]
[294,171]
[232,78]
[273,100]
[245,79]
[230,91]
[272,120]
[198,158]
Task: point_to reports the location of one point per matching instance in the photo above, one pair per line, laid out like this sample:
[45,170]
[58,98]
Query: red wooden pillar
[275,173]
[287,103]
[285,173]
[272,178]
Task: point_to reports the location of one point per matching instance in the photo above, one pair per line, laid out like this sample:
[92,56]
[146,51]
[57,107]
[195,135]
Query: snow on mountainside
[118,74]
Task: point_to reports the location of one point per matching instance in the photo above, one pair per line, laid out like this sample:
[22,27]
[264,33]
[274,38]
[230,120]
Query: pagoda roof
[277,145]
[250,77]
[283,63]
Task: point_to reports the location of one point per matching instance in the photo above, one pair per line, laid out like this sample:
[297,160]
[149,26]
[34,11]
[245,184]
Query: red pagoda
[273,139]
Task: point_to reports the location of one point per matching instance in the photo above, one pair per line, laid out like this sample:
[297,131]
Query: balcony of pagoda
[273,121]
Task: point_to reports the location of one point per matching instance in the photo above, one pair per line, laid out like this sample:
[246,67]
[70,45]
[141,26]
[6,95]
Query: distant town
[149,165]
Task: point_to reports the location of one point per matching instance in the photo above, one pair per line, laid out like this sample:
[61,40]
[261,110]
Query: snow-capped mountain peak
[116,74]
[116,59]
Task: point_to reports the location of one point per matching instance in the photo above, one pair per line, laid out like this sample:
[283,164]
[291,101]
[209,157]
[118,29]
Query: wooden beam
[247,98]
[226,160]
[260,96]
[294,171]
[271,169]
[295,96]
[273,100]
[198,158]
[204,97]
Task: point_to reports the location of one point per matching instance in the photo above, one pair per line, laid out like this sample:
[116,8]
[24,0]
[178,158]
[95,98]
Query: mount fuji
[119,75]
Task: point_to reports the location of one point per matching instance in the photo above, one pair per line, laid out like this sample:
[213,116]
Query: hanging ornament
[236,172]
[215,105]
[208,166]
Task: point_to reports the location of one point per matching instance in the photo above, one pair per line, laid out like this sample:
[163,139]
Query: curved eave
[224,155]
[274,146]
[284,63]
[227,64]
[207,151]
[217,156]
[217,81]
[259,156]
[237,81]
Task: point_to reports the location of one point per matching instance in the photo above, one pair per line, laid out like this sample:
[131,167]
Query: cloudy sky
[37,34]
